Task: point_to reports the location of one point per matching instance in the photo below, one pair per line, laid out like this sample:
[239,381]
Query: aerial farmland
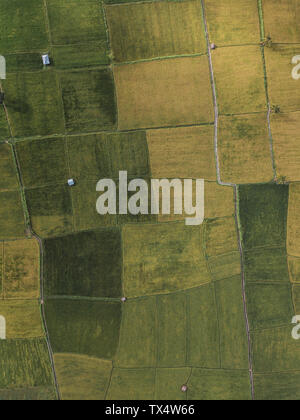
[140,302]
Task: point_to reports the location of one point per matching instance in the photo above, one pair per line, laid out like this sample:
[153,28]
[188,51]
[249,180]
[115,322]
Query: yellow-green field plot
[162,258]
[293,224]
[148,93]
[159,29]
[286,143]
[132,384]
[283,88]
[294,269]
[82,377]
[23,319]
[233,22]
[219,201]
[221,236]
[9,180]
[277,387]
[244,146]
[20,269]
[239,76]
[281,20]
[12,223]
[183,152]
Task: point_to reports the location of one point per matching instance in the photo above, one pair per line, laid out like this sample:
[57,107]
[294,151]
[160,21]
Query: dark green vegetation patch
[28,394]
[84,326]
[85,264]
[89,100]
[24,363]
[263,213]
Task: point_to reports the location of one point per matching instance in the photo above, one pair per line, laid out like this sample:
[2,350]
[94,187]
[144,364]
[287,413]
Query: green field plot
[8,180]
[203,348]
[269,305]
[281,20]
[4,129]
[294,269]
[15,35]
[266,265]
[233,337]
[74,22]
[277,387]
[23,62]
[79,56]
[296,297]
[275,350]
[182,153]
[132,384]
[84,326]
[293,225]
[28,394]
[239,77]
[169,382]
[225,266]
[24,363]
[81,377]
[23,319]
[263,213]
[20,269]
[42,162]
[148,93]
[138,337]
[283,89]
[88,99]
[99,156]
[234,22]
[243,144]
[219,385]
[12,223]
[162,258]
[286,140]
[158,29]
[33,103]
[172,319]
[221,236]
[50,210]
[89,263]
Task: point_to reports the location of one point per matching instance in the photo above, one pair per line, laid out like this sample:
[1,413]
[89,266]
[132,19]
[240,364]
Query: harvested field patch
[15,35]
[83,326]
[162,258]
[203,330]
[244,144]
[233,335]
[158,29]
[286,141]
[8,180]
[21,269]
[90,264]
[283,89]
[33,103]
[182,153]
[293,224]
[23,319]
[219,385]
[233,22]
[294,269]
[24,363]
[82,378]
[219,201]
[148,93]
[281,20]
[269,305]
[12,223]
[138,338]
[42,162]
[221,236]
[50,210]
[132,384]
[88,100]
[239,78]
[263,214]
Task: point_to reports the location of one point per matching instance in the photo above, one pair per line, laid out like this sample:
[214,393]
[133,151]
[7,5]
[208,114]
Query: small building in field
[46,60]
[71,182]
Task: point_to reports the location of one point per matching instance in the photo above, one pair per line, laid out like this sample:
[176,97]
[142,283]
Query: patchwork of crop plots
[135,86]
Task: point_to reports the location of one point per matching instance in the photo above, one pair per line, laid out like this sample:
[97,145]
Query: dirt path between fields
[236,194]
